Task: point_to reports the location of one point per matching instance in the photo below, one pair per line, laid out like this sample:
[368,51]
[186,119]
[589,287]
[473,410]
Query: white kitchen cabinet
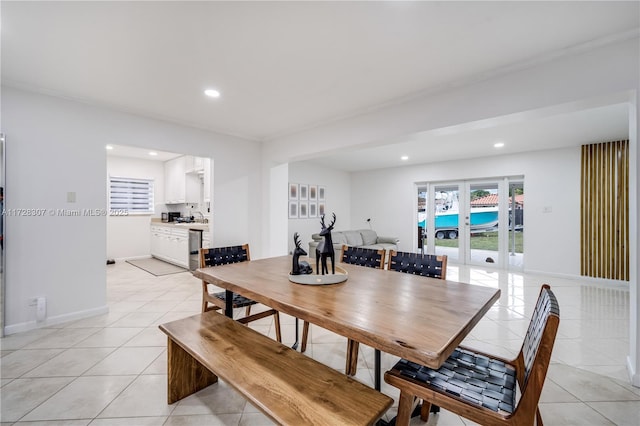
[170,244]
[179,247]
[155,240]
[180,187]
[206,239]
[194,164]
[174,171]
[206,178]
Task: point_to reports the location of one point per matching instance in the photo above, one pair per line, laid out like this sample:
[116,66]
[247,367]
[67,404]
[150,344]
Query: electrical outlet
[71,197]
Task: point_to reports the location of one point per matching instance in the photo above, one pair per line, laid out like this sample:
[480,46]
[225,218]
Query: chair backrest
[363,257]
[546,311]
[535,356]
[427,265]
[223,255]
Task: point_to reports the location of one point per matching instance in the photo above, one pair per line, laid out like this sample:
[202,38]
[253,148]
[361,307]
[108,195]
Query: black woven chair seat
[475,378]
[238,301]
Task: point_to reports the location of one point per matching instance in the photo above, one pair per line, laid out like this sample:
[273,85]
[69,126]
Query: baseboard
[124,259]
[581,278]
[59,319]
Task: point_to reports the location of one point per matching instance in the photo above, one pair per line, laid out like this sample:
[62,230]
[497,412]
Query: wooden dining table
[418,318]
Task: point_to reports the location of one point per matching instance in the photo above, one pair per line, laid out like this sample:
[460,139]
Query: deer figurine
[299,267]
[325,248]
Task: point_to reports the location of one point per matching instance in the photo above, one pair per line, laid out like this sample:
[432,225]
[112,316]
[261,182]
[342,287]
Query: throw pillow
[353,238]
[369,237]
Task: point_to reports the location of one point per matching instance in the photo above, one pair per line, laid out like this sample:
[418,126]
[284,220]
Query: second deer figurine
[325,248]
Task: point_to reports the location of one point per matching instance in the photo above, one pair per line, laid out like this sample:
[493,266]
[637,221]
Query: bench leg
[405,407]
[185,375]
[425,409]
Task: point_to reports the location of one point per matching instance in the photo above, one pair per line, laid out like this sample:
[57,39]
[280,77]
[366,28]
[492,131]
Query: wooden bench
[287,386]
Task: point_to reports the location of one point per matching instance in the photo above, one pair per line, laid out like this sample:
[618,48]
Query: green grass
[484,241]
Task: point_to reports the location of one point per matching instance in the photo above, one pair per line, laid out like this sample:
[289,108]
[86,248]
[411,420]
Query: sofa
[365,238]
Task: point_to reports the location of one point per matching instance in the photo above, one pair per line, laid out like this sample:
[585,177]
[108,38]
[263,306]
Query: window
[130,195]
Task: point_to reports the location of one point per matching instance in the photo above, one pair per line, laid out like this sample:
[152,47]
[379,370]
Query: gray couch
[365,238]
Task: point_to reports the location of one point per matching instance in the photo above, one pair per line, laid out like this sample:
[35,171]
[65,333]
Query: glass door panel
[481,224]
[473,222]
[446,214]
[516,225]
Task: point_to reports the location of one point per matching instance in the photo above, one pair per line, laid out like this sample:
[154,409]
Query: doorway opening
[473,222]
[181,191]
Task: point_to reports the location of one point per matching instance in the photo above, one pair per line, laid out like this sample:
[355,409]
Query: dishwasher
[195,242]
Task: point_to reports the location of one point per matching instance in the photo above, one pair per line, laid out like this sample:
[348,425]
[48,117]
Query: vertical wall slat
[604,210]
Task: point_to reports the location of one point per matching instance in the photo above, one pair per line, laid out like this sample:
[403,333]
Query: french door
[477,222]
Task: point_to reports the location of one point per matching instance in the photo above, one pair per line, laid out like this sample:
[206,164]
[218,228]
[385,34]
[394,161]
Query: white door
[471,221]
[481,223]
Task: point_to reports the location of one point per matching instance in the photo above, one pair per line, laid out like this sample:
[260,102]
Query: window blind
[135,196]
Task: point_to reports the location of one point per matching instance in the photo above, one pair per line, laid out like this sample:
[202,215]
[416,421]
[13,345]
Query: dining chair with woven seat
[427,265]
[371,258]
[483,387]
[217,301]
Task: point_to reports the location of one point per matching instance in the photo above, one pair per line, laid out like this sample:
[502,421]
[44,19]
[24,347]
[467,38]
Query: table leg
[228,307]
[295,344]
[377,368]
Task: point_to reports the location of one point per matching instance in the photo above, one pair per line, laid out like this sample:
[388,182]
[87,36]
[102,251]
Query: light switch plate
[71,197]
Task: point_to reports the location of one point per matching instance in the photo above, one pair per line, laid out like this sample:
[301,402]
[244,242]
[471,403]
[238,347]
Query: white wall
[275,201]
[551,178]
[56,146]
[129,236]
[338,200]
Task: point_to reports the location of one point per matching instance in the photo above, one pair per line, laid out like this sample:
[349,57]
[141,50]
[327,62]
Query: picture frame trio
[306,201]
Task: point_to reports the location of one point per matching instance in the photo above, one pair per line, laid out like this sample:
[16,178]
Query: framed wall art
[293,209]
[303,210]
[293,191]
[303,192]
[306,200]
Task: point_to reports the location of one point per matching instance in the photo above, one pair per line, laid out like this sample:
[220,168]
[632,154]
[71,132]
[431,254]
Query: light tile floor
[111,369]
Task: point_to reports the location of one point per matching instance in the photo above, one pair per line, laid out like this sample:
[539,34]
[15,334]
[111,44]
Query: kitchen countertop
[192,225]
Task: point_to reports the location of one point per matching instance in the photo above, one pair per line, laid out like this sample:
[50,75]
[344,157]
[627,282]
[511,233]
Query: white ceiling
[476,140]
[287,66]
[140,153]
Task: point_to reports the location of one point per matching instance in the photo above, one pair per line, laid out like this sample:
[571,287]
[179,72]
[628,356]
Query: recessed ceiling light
[108,147]
[212,93]
[498,144]
[153,153]
[404,158]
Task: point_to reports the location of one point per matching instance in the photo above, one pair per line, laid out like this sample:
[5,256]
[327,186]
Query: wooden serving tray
[312,279]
